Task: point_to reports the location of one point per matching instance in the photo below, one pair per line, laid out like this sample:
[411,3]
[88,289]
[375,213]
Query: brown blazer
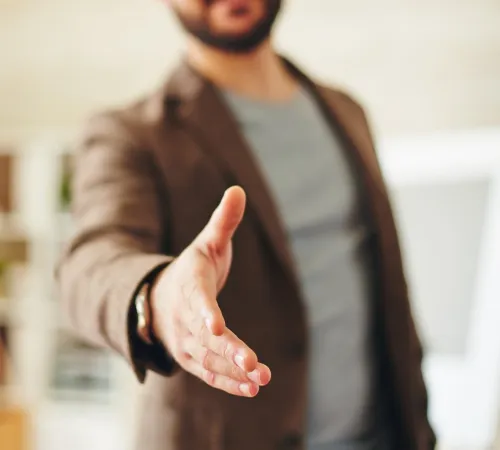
[147,179]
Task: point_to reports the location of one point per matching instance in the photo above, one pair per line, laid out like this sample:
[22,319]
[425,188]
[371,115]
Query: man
[295,272]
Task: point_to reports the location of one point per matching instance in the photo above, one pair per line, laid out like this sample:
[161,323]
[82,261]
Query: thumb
[225,220]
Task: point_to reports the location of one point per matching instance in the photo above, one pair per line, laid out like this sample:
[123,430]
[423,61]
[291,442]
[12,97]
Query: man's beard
[243,43]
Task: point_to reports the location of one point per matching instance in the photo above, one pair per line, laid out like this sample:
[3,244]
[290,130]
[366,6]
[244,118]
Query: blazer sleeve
[119,226]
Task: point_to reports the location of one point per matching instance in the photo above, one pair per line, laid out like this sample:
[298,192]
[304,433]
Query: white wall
[446,188]
[442,225]
[419,66]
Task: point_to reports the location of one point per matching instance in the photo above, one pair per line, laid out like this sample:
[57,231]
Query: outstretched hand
[186,315]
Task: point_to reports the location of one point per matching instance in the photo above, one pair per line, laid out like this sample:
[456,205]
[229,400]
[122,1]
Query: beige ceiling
[418,65]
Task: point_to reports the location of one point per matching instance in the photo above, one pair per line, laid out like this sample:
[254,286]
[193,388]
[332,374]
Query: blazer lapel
[352,127]
[207,118]
[210,121]
[356,134]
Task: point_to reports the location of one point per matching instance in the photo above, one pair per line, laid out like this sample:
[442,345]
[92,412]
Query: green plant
[65,191]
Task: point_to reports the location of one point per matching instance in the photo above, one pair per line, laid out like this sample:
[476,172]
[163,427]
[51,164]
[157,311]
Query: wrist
[144,303]
[154,294]
[147,348]
[159,309]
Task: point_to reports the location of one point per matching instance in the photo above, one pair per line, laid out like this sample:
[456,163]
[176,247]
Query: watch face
[143,315]
[140,306]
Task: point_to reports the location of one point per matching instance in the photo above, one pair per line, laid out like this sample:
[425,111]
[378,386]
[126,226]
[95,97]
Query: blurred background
[428,73]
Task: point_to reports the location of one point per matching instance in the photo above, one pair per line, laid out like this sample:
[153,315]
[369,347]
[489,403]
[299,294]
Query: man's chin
[242,44]
[236,43]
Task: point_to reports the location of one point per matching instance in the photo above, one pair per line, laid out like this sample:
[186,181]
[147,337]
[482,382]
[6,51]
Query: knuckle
[226,349]
[208,377]
[184,349]
[205,359]
[185,344]
[184,358]
[203,254]
[236,373]
[184,361]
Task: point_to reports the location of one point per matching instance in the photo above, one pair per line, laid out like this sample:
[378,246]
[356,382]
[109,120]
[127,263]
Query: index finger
[232,348]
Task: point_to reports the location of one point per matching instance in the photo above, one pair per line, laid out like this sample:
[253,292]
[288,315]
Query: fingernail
[240,361]
[255,377]
[246,390]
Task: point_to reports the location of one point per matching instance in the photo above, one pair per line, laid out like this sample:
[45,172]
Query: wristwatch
[150,351]
[144,316]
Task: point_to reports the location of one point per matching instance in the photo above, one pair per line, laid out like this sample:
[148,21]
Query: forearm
[98,279]
[120,215]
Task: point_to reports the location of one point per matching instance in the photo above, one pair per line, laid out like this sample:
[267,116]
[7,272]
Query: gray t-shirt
[315,191]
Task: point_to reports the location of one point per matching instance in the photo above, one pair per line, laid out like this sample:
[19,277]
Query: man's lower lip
[234,4]
[236,7]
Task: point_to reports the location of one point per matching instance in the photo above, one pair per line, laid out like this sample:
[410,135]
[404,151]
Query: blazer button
[291,442]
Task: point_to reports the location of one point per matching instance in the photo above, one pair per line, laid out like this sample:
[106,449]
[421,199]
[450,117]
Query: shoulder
[132,124]
[350,114]
[347,109]
[343,99]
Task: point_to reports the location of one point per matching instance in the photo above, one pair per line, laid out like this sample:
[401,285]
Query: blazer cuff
[144,356]
[139,355]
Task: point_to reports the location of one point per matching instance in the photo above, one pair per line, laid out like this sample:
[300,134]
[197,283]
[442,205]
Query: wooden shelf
[15,429]
[4,311]
[6,166]
[13,247]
